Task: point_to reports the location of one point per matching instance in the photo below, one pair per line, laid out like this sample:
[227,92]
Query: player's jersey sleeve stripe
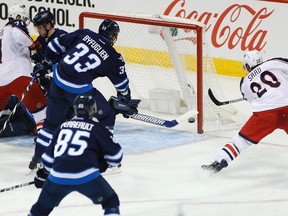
[56,47]
[47,158]
[44,137]
[114,160]
[123,86]
[47,161]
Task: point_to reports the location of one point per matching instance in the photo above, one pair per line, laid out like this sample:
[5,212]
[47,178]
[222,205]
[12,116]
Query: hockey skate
[215,167]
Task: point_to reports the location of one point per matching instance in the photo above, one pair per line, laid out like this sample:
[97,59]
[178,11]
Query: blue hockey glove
[47,64]
[37,57]
[40,178]
[124,98]
[120,105]
[39,71]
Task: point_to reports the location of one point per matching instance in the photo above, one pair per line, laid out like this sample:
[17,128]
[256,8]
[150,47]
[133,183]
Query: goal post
[168,64]
[156,21]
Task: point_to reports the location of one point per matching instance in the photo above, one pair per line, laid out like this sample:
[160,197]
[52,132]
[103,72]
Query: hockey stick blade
[16,186]
[221,103]
[163,122]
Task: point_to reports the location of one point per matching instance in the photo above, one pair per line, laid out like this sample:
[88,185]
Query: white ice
[161,175]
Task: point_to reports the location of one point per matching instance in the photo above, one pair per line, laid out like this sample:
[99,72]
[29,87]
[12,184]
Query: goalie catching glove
[124,105]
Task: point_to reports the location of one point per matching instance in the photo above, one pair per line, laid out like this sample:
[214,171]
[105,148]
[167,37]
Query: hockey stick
[17,104]
[16,186]
[221,103]
[163,122]
[150,119]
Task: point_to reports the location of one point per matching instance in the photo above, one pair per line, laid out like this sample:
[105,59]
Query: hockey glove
[47,64]
[36,46]
[133,104]
[120,105]
[39,71]
[33,163]
[36,51]
[40,178]
[37,57]
[124,98]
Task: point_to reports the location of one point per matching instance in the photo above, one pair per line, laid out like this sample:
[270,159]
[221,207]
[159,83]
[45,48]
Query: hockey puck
[191,120]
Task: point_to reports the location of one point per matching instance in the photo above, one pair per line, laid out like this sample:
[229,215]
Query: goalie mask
[19,12]
[252,59]
[110,30]
[84,105]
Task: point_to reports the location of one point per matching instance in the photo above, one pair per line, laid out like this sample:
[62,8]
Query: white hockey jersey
[266,86]
[14,52]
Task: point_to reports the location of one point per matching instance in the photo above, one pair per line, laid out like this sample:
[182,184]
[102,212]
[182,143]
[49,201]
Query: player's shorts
[261,124]
[34,100]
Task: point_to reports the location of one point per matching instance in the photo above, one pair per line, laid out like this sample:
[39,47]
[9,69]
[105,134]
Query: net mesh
[156,56]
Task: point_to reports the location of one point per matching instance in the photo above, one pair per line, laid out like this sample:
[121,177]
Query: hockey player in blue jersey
[85,56]
[80,150]
[44,22]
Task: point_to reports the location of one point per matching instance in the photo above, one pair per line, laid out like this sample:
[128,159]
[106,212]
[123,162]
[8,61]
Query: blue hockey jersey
[40,56]
[86,56]
[76,149]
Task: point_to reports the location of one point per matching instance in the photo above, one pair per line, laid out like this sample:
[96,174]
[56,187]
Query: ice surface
[161,175]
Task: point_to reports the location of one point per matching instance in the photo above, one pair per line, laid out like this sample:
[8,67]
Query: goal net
[168,65]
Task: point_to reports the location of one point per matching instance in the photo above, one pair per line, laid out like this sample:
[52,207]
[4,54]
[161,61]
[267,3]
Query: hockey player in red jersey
[16,65]
[265,87]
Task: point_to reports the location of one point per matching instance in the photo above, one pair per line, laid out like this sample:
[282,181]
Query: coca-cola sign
[228,28]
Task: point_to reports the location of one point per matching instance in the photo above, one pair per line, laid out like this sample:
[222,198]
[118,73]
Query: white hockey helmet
[251,59]
[19,10]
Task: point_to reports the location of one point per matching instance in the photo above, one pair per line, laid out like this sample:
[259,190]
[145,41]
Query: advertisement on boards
[232,27]
[65,11]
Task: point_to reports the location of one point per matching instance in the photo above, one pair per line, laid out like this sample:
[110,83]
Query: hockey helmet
[19,10]
[43,18]
[109,28]
[84,105]
[251,59]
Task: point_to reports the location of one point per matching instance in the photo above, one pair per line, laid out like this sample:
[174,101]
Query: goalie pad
[120,106]
[21,123]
